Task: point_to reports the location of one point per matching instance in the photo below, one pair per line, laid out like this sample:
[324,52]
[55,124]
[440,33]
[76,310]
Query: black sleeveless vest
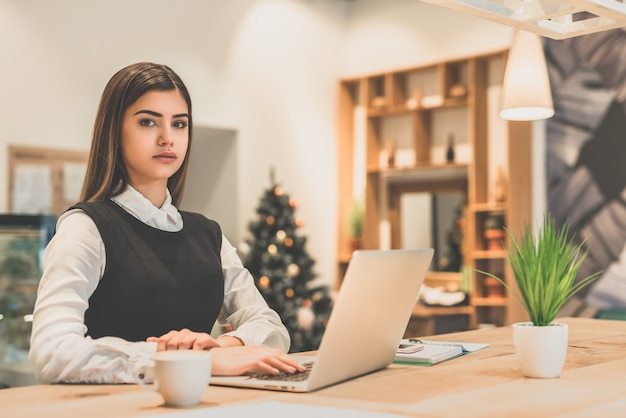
[154,281]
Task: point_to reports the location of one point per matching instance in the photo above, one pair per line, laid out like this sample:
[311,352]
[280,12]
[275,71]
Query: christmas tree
[283,271]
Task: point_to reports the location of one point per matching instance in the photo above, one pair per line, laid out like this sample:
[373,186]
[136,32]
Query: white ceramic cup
[181,376]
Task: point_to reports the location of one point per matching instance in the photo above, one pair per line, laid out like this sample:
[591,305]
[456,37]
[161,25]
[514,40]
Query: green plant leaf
[545,267]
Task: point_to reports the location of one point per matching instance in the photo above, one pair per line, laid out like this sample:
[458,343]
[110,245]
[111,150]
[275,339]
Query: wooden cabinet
[434,129]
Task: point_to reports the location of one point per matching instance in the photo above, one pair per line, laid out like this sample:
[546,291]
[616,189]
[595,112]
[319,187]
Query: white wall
[391,34]
[266,69]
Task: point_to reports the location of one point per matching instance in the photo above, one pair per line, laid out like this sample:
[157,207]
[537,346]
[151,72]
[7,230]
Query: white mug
[181,376]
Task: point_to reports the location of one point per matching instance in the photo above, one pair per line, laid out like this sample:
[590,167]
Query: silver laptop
[370,315]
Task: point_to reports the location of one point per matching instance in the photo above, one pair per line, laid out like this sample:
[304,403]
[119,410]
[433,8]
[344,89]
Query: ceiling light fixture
[556,19]
[526,91]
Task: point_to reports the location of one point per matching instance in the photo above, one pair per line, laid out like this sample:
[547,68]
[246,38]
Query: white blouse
[74,262]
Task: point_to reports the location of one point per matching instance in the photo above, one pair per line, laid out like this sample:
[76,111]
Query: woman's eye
[180,124]
[147,122]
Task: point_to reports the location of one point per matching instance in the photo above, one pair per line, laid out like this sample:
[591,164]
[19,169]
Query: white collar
[166,218]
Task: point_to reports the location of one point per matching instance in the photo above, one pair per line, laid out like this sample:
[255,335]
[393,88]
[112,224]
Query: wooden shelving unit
[393,133]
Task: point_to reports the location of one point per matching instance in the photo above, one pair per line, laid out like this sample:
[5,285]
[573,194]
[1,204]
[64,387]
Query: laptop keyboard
[291,377]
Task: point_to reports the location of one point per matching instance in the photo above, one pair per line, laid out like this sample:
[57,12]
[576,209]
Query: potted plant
[493,231]
[356,225]
[545,267]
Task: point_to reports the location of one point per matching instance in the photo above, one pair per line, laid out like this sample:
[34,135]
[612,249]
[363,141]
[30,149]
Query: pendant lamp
[526,91]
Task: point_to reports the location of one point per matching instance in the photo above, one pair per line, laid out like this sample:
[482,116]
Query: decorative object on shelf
[378,102]
[545,267]
[415,101]
[450,149]
[457,90]
[493,288]
[500,186]
[404,158]
[526,91]
[431,101]
[387,156]
[493,231]
[439,296]
[356,225]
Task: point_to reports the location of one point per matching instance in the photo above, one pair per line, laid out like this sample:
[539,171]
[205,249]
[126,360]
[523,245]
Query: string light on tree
[306,316]
[293,270]
[264,282]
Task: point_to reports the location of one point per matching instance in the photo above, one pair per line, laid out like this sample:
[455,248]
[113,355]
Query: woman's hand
[184,340]
[234,361]
[230,356]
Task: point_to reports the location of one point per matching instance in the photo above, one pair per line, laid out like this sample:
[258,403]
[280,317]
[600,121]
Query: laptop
[366,324]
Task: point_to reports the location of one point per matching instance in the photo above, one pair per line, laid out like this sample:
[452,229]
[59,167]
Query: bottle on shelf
[500,186]
[450,150]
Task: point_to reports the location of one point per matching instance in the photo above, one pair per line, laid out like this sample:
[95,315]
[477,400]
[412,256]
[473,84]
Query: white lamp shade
[526,88]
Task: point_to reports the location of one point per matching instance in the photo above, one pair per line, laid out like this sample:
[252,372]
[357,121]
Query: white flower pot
[541,350]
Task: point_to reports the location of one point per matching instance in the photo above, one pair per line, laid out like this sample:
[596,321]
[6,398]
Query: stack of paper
[432,352]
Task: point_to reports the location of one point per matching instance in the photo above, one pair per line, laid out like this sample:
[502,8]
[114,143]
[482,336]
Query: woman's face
[155,137]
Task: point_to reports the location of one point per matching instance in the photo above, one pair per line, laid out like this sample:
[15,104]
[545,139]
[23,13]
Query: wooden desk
[487,383]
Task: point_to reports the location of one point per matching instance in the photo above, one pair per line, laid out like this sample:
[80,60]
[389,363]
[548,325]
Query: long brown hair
[106,174]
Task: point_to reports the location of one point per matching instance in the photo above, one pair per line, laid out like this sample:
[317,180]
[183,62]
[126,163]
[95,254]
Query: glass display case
[22,242]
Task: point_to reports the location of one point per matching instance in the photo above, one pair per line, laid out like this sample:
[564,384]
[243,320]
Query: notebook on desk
[372,310]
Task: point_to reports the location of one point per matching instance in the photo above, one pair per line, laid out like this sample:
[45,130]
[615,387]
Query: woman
[127,274]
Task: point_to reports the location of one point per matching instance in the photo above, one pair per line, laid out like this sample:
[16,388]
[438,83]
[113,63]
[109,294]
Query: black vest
[154,281]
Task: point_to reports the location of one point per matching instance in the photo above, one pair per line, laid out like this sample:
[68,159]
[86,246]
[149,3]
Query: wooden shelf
[423,311]
[487,255]
[410,114]
[490,301]
[489,207]
[425,174]
[388,111]
[382,111]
